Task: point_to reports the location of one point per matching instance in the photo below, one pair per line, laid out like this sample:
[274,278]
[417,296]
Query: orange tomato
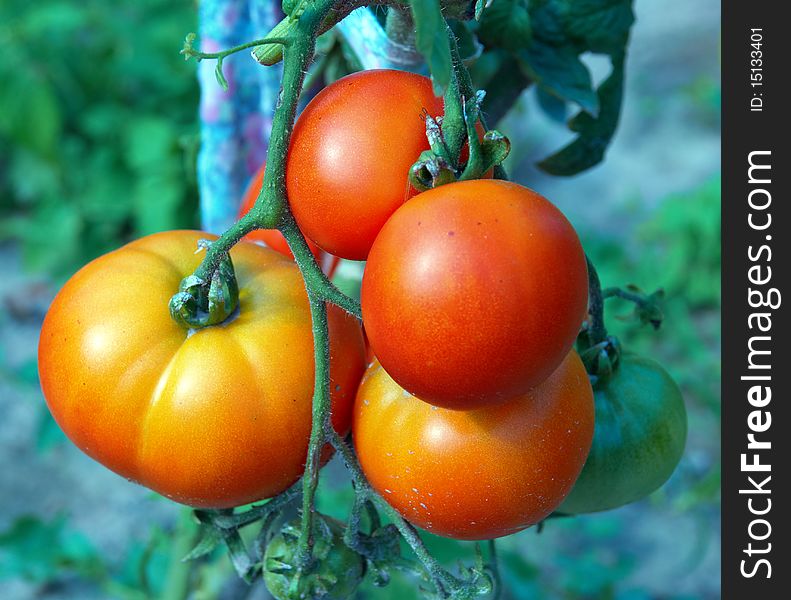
[474,292]
[476,474]
[217,417]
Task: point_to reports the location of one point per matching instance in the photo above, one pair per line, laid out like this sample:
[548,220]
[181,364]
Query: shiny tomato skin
[476,474]
[474,292]
[216,418]
[350,155]
[272,238]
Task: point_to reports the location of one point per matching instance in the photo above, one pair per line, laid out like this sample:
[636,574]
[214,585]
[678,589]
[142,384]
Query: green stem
[495,569]
[197,54]
[315,279]
[597,331]
[399,26]
[271,210]
[222,245]
[256,513]
[616,292]
[320,423]
[275,211]
[440,577]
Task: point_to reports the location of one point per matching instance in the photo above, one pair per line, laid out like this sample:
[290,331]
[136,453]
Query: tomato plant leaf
[600,26]
[554,107]
[506,24]
[559,71]
[432,41]
[595,133]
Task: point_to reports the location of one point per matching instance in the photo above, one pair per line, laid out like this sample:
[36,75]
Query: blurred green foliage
[98,126]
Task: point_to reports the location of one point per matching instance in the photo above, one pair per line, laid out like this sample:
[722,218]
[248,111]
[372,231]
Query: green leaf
[554,107]
[506,24]
[600,26]
[559,71]
[595,133]
[432,41]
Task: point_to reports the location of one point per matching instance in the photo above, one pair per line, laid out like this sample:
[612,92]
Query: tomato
[213,418]
[474,292]
[335,573]
[350,155]
[641,428]
[475,474]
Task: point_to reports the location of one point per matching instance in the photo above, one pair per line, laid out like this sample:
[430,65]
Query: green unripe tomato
[638,440]
[336,570]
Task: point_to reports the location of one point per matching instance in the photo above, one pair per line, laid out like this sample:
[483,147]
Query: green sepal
[430,171]
[432,41]
[600,360]
[198,305]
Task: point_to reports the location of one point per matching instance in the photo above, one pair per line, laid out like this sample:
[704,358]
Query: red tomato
[476,474]
[215,418]
[474,292]
[350,155]
[272,238]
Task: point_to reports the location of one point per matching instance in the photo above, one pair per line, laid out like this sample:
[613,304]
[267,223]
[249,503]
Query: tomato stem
[597,330]
[272,210]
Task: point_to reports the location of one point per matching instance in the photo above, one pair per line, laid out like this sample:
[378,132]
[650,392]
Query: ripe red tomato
[476,474]
[474,292]
[215,418]
[350,155]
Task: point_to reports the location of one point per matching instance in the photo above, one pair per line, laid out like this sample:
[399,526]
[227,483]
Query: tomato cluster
[476,417]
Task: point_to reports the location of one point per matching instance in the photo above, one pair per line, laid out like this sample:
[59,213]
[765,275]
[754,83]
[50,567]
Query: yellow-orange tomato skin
[477,474]
[474,292]
[350,155]
[216,418]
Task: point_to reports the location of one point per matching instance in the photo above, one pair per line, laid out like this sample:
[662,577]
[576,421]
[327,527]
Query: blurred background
[98,142]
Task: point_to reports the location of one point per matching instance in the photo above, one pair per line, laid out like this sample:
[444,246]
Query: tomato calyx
[449,160]
[200,303]
[430,171]
[601,359]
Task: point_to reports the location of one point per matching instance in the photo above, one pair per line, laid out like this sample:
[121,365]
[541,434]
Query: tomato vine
[493,282]
[271,210]
[546,381]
